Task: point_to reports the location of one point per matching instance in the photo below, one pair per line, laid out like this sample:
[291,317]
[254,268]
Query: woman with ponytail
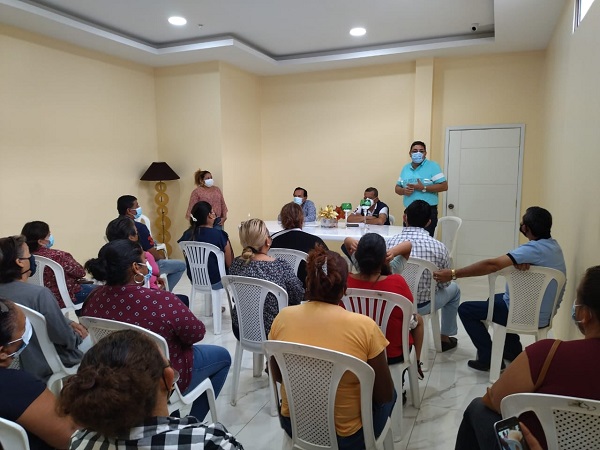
[256,263]
[322,323]
[121,264]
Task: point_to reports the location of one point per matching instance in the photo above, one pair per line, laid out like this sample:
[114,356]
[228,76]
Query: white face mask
[209,182]
[25,339]
[298,200]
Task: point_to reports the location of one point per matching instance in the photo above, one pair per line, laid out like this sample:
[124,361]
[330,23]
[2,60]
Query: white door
[483,168]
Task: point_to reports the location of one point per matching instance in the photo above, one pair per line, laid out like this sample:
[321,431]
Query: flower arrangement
[328,216]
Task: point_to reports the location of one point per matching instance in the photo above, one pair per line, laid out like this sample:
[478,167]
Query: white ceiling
[270,37]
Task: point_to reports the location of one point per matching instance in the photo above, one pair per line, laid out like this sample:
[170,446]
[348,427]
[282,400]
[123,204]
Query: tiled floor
[447,389]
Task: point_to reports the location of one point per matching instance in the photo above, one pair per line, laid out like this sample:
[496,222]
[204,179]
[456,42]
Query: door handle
[451,206]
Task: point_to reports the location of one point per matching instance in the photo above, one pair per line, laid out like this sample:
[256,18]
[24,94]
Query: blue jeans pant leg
[448,300]
[173,268]
[210,361]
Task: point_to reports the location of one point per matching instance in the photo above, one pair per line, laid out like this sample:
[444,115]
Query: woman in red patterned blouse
[122,265]
[206,191]
[40,241]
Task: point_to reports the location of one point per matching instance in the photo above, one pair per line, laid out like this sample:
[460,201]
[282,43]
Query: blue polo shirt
[429,172]
[545,253]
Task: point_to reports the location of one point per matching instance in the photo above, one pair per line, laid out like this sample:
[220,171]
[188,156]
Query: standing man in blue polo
[422,179]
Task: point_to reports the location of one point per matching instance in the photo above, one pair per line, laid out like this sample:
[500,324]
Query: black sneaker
[449,345]
[484,367]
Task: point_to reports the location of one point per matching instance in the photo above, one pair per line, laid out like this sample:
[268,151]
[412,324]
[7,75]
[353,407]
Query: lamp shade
[159,171]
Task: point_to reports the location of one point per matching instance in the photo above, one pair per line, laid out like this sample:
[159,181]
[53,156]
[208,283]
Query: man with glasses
[422,179]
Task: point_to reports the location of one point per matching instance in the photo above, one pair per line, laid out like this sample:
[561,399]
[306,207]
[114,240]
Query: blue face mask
[138,212]
[50,242]
[573,313]
[417,157]
[298,200]
[25,339]
[32,265]
[149,274]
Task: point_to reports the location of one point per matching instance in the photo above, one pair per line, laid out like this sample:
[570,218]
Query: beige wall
[77,129]
[568,179]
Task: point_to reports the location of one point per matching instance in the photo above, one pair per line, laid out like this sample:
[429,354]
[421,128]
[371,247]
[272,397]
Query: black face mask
[32,265]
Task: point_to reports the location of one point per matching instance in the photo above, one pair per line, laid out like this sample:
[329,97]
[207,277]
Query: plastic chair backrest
[289,255]
[59,371]
[413,274]
[249,295]
[197,255]
[146,221]
[13,436]
[311,376]
[99,328]
[59,275]
[526,289]
[378,305]
[568,422]
[448,226]
[392,219]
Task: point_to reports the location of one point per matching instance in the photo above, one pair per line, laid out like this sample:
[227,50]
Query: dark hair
[303,190]
[539,221]
[33,232]
[125,202]
[10,251]
[373,190]
[114,262]
[115,388]
[120,228]
[8,320]
[418,213]
[200,212]
[292,216]
[326,274]
[199,176]
[371,255]
[588,291]
[418,143]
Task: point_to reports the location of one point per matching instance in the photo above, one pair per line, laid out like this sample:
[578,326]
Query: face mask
[25,339]
[32,265]
[417,157]
[209,182]
[298,200]
[573,313]
[51,242]
[138,212]
[149,274]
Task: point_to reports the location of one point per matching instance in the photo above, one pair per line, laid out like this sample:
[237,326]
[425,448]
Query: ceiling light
[176,20]
[359,31]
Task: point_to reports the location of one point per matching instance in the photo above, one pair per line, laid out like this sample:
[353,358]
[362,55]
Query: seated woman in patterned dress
[256,263]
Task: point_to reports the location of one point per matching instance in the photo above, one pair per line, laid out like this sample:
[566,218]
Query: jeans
[471,315]
[446,299]
[381,413]
[476,430]
[210,361]
[173,268]
[86,289]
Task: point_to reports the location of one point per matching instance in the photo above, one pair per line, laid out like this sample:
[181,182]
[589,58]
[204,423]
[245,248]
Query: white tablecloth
[339,233]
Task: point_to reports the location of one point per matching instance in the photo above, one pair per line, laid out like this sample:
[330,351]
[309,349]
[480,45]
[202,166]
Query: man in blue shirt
[541,250]
[422,179]
[308,207]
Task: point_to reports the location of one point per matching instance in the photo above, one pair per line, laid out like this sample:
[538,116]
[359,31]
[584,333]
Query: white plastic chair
[311,376]
[197,255]
[569,423]
[146,221]
[448,226]
[99,328]
[526,288]
[59,371]
[392,219]
[59,273]
[249,295]
[362,301]
[412,273]
[12,436]
[289,255]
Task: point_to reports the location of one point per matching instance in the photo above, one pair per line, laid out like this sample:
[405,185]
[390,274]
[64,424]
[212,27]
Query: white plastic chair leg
[498,340]
[414,386]
[426,343]
[258,362]
[398,411]
[237,366]
[436,332]
[216,310]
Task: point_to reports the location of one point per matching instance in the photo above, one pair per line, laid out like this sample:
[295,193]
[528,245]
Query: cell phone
[350,225]
[509,434]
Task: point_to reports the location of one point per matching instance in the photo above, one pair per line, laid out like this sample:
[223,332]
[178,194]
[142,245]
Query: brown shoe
[449,345]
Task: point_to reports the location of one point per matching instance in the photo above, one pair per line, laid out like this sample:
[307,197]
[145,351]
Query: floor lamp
[161,172]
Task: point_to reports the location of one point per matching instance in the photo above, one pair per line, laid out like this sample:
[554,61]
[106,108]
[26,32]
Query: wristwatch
[424,188]
[453,272]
